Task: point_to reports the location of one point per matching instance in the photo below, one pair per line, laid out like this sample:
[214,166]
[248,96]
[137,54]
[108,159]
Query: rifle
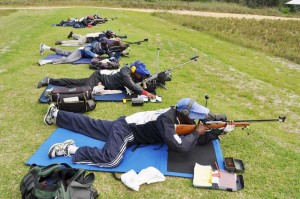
[99,21]
[136,42]
[121,36]
[184,129]
[160,78]
[126,45]
[105,19]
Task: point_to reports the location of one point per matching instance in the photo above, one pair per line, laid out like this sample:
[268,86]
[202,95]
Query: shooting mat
[138,159]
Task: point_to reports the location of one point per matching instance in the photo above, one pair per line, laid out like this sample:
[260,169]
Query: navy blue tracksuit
[117,81]
[118,135]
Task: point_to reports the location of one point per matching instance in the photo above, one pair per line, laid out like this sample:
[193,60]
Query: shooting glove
[229,128]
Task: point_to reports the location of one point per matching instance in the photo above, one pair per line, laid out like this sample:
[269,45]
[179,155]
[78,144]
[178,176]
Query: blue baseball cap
[196,111]
[140,68]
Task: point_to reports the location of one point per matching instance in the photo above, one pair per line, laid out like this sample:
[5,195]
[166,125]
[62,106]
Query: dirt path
[211,14]
[184,12]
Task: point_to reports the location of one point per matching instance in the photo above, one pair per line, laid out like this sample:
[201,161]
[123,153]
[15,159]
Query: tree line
[250,3]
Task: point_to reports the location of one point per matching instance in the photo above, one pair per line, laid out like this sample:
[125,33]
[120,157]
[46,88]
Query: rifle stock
[184,129]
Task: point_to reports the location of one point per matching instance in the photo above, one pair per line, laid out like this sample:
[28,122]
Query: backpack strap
[48,169]
[71,174]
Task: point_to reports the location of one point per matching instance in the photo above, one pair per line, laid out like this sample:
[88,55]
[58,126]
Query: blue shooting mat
[80,61]
[138,159]
[118,97]
[105,98]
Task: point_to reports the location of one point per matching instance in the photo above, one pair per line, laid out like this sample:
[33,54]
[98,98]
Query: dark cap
[140,68]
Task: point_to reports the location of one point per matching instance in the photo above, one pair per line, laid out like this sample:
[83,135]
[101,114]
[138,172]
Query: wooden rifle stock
[184,129]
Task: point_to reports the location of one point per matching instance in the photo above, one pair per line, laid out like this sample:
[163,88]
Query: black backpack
[57,181]
[77,99]
[97,64]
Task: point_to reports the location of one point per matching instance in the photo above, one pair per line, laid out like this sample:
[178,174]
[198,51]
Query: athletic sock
[72,149]
[54,113]
[47,62]
[45,47]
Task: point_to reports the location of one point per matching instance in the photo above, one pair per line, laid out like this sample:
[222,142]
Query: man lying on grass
[80,40]
[128,76]
[151,127]
[93,50]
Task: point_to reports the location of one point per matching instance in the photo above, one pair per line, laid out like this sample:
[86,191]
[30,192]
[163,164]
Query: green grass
[276,37]
[243,83]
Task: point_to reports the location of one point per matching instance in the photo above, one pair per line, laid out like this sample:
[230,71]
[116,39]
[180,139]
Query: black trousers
[117,135]
[91,81]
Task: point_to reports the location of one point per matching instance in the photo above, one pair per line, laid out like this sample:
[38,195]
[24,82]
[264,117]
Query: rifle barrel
[183,129]
[136,42]
[280,119]
[154,76]
[268,120]
[191,59]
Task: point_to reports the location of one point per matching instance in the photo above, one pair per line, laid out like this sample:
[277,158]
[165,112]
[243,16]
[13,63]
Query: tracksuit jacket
[117,81]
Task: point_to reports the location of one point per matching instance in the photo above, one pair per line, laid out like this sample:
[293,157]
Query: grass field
[277,37]
[241,82]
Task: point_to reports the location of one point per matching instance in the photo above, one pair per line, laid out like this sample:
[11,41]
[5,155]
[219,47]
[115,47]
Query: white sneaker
[48,119]
[41,62]
[60,149]
[41,48]
[44,62]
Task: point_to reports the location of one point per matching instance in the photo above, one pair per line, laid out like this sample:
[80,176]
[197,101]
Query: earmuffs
[186,110]
[133,69]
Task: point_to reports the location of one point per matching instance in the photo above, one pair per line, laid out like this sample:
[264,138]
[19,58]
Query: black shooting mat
[185,162]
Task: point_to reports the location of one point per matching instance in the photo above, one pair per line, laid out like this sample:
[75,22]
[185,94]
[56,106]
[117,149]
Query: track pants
[79,41]
[68,56]
[116,134]
[91,81]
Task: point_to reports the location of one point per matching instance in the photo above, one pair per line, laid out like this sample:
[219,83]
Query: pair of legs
[69,56]
[79,41]
[116,134]
[91,81]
